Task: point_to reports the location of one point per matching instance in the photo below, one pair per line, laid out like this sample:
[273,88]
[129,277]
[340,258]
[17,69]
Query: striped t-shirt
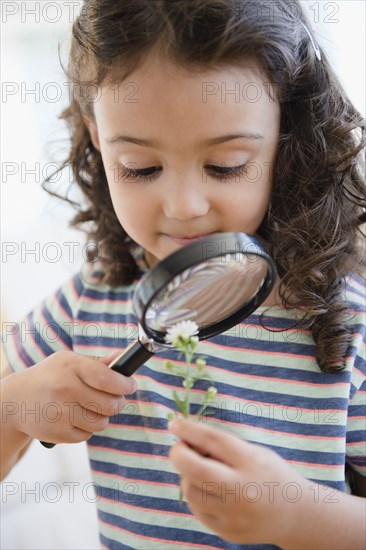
[270,391]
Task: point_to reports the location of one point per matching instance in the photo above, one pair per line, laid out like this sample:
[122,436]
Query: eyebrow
[208,142]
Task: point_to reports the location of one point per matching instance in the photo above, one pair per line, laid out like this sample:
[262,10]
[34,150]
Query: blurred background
[47,500]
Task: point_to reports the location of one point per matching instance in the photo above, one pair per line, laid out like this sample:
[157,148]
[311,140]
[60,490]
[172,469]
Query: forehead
[161,95]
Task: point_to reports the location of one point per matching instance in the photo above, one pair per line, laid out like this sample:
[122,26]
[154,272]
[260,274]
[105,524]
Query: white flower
[211,392]
[184,330]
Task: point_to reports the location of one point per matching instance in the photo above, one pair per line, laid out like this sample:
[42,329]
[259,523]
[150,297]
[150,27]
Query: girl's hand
[65,398]
[243,492]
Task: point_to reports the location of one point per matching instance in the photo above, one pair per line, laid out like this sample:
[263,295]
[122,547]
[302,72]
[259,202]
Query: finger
[72,435]
[77,436]
[208,500]
[89,421]
[200,513]
[208,519]
[95,400]
[106,359]
[210,513]
[213,522]
[81,394]
[97,375]
[196,468]
[219,445]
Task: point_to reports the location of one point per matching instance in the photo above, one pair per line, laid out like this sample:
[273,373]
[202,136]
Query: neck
[273,299]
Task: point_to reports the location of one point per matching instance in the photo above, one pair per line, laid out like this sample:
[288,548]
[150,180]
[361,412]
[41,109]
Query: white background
[31,221]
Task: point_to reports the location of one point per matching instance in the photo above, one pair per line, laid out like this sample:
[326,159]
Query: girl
[189,118]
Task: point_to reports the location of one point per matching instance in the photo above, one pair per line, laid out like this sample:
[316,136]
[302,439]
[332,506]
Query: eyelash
[227,172]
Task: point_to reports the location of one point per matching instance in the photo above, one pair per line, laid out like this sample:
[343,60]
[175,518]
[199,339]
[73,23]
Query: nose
[185,200]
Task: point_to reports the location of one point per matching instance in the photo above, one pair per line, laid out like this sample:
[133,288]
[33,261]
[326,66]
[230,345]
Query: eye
[224,173]
[146,174]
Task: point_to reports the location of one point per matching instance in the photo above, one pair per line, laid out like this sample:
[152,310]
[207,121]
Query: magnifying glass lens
[207,292]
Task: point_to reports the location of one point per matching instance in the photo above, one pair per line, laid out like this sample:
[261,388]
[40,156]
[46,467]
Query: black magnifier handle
[131,359]
[47,445]
[126,363]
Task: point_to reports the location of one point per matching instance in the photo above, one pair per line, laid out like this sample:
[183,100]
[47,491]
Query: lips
[185,239]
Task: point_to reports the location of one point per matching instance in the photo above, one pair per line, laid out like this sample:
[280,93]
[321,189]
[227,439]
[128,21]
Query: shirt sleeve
[46,329]
[356,422]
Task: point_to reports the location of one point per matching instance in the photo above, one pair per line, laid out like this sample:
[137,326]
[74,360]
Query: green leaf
[180,404]
[206,412]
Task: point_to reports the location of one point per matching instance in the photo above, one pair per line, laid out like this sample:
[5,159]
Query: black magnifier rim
[199,251]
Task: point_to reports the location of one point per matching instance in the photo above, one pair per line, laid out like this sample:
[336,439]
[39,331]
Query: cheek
[249,200]
[246,210]
[132,205]
[122,206]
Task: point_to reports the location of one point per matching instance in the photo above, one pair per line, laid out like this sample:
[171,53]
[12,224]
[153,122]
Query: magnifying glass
[216,281]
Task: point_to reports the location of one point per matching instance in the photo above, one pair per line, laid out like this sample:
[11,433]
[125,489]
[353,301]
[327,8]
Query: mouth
[185,239]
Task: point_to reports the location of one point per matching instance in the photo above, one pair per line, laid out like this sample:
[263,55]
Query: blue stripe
[94,340]
[78,284]
[25,357]
[64,304]
[360,364]
[112,544]
[36,337]
[173,534]
[101,295]
[357,410]
[356,436]
[107,317]
[133,473]
[268,370]
[130,446]
[56,327]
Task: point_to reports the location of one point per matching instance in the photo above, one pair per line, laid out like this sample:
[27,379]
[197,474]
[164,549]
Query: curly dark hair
[314,225]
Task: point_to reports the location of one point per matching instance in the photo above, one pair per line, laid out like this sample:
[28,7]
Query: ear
[93,131]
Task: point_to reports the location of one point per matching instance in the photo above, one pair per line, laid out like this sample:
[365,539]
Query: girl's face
[186,153]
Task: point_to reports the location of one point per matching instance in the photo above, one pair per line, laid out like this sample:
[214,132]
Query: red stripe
[77,296]
[128,453]
[143,509]
[313,465]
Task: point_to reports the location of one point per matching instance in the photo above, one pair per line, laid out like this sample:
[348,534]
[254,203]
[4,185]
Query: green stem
[188,357]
